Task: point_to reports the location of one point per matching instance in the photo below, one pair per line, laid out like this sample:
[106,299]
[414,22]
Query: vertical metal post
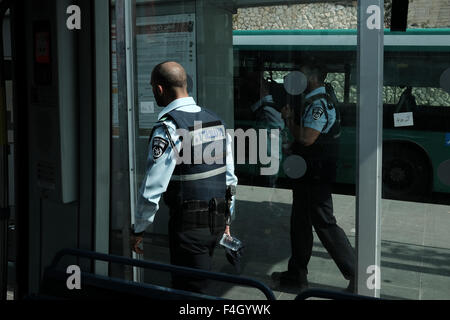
[103,130]
[19,52]
[369,144]
[4,206]
[121,53]
[130,40]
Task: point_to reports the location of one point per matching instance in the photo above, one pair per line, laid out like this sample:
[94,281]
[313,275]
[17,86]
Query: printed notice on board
[403,119]
[147,107]
[158,39]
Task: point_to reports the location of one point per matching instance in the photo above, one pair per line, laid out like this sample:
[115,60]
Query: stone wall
[429,14]
[300,16]
[421,14]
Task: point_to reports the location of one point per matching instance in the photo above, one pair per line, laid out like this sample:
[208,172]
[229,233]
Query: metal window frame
[123,101]
[130,41]
[102,131]
[370,50]
[125,22]
[369,149]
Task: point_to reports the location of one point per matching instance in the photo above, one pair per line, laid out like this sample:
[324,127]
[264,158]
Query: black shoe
[288,279]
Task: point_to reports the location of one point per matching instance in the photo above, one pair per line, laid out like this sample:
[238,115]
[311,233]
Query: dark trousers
[192,248]
[313,206]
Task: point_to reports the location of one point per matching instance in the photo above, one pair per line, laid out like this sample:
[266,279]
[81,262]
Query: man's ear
[159,89]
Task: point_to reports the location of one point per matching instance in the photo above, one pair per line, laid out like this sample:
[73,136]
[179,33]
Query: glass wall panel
[246,63]
[119,204]
[415,219]
[270,43]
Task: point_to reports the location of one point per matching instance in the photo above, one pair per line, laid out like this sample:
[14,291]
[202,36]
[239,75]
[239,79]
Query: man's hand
[227,231]
[136,241]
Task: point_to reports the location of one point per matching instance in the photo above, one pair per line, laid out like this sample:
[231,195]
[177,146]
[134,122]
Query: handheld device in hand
[231,243]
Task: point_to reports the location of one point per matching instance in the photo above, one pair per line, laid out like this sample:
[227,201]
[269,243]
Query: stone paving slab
[415,248]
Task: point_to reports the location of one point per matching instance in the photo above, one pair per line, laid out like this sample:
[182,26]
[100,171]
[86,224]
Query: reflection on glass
[278,55]
[416,119]
[185,32]
[250,96]
[268,120]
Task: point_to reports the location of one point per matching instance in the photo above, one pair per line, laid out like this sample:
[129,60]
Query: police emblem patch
[159,147]
[317,112]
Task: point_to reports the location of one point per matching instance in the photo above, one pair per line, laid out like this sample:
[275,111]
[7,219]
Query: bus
[415,65]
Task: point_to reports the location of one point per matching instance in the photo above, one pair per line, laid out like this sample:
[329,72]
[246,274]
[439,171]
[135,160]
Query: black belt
[203,214]
[195,205]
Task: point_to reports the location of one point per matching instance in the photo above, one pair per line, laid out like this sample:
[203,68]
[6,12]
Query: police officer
[268,116]
[316,135]
[194,181]
[266,110]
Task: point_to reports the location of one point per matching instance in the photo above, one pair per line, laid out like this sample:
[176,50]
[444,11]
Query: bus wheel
[406,171]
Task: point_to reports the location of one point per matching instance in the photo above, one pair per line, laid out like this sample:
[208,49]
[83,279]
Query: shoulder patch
[317,112]
[159,146]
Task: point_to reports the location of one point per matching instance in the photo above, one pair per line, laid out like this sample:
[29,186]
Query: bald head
[169,82]
[170,75]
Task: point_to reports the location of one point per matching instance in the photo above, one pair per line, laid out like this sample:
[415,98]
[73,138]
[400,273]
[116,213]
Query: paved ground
[415,250]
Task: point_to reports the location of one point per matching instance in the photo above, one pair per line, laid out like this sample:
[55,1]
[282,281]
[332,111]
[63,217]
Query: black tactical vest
[198,180]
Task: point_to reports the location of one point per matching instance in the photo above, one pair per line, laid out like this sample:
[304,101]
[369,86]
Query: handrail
[165,267]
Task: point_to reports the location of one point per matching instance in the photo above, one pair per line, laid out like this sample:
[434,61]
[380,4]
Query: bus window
[275,75]
[411,84]
[337,80]
[391,94]
[431,97]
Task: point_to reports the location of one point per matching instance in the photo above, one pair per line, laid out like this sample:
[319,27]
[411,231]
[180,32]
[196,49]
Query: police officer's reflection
[267,113]
[316,132]
[195,191]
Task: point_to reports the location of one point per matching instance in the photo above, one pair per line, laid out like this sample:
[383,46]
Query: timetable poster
[158,39]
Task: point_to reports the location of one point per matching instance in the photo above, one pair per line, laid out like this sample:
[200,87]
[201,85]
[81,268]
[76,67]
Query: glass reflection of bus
[413,66]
